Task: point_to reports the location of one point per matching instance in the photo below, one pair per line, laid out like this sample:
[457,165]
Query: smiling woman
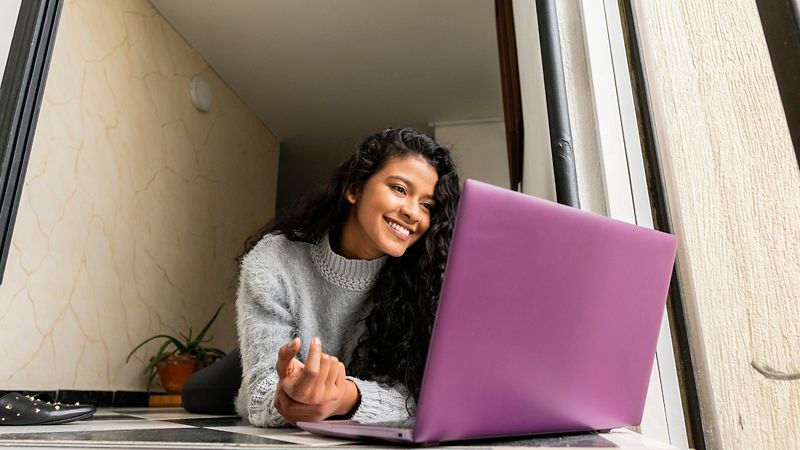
[356,267]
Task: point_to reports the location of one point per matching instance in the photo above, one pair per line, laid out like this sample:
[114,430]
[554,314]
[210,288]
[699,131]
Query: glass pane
[8,20]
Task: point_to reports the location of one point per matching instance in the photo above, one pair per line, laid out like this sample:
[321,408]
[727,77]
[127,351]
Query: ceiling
[324,74]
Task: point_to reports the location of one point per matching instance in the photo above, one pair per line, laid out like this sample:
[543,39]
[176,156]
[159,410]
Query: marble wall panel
[134,206]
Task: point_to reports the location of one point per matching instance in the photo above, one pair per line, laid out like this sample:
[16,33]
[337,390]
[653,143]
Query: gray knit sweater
[293,289]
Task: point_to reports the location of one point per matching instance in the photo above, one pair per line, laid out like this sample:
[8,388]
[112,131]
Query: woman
[358,266]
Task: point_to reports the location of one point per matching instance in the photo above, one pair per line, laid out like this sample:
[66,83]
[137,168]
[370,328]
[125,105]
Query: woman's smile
[398,230]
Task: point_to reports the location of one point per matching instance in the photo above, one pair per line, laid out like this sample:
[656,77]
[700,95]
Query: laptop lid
[548,320]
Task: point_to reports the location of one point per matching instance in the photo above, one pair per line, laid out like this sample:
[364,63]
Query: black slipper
[18,409]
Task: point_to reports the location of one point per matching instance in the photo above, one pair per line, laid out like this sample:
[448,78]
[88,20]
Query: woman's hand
[318,381]
[315,390]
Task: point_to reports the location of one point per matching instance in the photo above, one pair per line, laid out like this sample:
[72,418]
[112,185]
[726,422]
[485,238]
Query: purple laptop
[547,323]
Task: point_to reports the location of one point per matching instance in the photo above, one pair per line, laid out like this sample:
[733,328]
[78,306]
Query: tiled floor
[163,428]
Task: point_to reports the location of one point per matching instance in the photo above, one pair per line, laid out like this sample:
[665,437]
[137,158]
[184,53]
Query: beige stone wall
[733,185]
[134,204]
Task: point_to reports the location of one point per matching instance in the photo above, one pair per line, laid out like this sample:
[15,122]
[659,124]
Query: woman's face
[391,211]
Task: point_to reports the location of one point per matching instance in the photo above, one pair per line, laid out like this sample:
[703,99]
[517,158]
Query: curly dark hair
[405,295]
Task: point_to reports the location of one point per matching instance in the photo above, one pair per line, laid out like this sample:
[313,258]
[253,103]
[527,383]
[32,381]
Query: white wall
[479,149]
[8,21]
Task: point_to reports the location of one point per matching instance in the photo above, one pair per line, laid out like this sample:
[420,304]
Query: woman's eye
[427,206]
[400,189]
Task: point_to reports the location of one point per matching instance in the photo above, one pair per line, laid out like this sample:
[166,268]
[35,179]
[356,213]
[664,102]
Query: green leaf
[175,341]
[217,352]
[202,332]
[161,350]
[150,380]
[202,357]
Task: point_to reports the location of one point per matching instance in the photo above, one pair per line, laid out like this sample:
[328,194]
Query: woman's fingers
[341,378]
[314,353]
[333,374]
[295,368]
[306,386]
[285,356]
[324,368]
[317,382]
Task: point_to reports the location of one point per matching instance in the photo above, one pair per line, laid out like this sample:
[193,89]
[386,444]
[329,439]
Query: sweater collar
[351,274]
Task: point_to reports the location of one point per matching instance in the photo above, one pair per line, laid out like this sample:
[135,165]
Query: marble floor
[174,428]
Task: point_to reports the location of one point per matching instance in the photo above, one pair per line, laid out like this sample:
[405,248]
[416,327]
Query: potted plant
[178,358]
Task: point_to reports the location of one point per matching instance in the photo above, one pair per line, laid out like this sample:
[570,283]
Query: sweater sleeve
[381,402]
[264,323]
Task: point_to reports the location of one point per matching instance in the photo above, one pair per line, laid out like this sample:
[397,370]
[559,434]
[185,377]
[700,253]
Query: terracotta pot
[174,370]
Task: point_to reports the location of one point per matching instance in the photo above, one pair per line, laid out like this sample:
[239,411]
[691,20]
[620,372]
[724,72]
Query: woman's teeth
[397,227]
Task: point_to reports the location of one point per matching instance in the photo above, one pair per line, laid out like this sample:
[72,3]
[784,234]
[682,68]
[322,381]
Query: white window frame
[626,190]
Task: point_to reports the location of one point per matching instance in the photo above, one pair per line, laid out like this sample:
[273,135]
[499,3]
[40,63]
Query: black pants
[212,390]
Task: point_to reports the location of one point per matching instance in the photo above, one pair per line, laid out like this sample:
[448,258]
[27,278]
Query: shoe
[18,409]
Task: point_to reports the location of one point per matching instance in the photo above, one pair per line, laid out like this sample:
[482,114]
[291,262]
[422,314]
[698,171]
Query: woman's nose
[410,212]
